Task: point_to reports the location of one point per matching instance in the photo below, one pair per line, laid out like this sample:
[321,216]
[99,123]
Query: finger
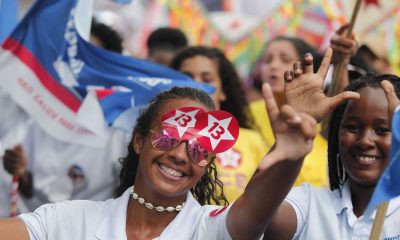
[341,98]
[272,107]
[343,42]
[308,126]
[297,69]
[391,96]
[342,50]
[342,29]
[10,154]
[326,61]
[289,76]
[18,148]
[308,63]
[290,115]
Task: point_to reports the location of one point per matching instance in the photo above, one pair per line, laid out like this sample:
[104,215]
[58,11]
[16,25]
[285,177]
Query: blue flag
[388,186]
[8,17]
[73,89]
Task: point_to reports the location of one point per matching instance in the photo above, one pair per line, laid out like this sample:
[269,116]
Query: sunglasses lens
[161,140]
[199,155]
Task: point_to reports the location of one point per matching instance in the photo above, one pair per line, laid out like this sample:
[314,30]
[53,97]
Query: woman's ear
[137,142]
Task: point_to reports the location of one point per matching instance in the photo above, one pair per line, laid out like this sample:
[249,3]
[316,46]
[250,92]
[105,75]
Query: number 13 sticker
[220,131]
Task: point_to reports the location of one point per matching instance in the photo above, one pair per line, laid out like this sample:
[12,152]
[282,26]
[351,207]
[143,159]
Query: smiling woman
[358,151]
[174,175]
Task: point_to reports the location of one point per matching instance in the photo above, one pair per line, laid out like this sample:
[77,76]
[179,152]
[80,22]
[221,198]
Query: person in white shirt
[173,180]
[358,153]
[51,170]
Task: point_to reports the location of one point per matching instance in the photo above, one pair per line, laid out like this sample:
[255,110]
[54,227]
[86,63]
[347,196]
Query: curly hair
[370,80]
[209,189]
[236,102]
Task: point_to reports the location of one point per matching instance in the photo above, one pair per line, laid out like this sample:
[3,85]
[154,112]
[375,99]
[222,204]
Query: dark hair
[166,38]
[209,188]
[108,37]
[236,102]
[370,80]
[301,47]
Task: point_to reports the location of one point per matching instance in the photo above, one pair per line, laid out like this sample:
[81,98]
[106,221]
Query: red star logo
[373,2]
[230,158]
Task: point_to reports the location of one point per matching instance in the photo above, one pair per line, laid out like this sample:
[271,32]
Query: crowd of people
[283,178]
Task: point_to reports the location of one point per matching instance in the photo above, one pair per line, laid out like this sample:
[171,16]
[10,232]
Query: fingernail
[297,118]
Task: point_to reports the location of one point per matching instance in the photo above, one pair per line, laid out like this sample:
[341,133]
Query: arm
[13,229]
[304,89]
[15,164]
[261,203]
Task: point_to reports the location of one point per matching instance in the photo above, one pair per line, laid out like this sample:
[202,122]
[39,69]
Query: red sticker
[217,212]
[181,123]
[219,132]
[216,131]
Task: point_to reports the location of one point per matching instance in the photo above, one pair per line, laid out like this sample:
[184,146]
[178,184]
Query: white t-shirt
[324,214]
[87,220]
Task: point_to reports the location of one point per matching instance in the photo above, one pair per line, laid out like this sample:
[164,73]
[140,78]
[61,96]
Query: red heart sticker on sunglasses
[219,132]
[182,123]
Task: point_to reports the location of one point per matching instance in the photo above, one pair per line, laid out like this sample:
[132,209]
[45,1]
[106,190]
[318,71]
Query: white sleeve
[212,223]
[37,223]
[299,199]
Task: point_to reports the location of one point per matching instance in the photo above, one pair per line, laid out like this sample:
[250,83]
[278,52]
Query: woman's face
[279,57]
[205,70]
[365,137]
[167,173]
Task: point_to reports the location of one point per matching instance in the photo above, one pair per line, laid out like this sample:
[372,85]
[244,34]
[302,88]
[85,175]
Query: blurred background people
[164,43]
[278,56]
[105,37]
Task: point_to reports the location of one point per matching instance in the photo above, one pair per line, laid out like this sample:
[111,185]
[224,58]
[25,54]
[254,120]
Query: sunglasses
[163,141]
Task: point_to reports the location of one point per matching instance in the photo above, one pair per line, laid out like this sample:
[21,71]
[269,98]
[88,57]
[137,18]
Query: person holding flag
[358,153]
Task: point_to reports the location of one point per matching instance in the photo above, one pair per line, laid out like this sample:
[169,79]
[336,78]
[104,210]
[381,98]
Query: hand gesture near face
[293,131]
[393,100]
[15,161]
[304,89]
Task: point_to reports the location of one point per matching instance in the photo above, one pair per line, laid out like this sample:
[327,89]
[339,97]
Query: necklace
[151,206]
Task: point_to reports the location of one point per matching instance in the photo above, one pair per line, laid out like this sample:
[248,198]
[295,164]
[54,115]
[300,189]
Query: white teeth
[171,171]
[367,160]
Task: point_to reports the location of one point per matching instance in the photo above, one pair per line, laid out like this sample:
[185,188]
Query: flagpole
[378,221]
[334,86]
[14,196]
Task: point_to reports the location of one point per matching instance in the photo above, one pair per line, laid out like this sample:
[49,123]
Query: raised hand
[391,96]
[15,161]
[304,88]
[293,131]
